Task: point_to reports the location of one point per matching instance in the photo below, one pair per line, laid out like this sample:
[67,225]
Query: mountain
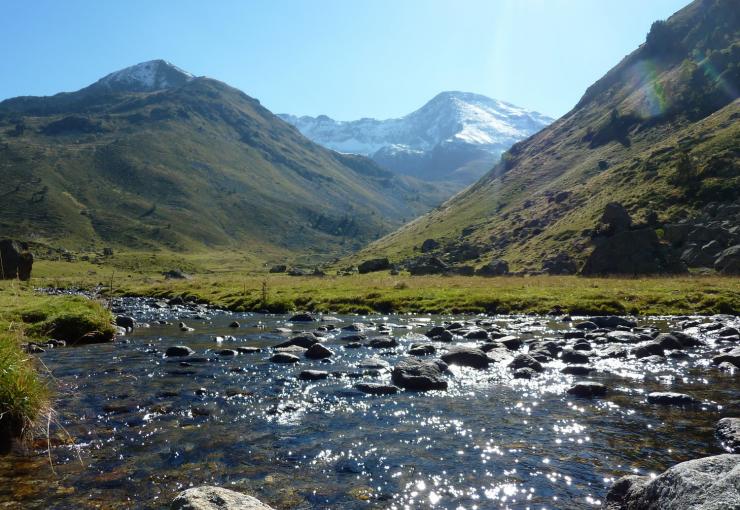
[659,133]
[153,158]
[457,136]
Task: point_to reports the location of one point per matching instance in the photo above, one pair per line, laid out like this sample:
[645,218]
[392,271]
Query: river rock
[623,337]
[649,349]
[577,370]
[728,432]
[668,398]
[383,342]
[248,350]
[318,351]
[709,483]
[467,357]
[215,498]
[93,337]
[510,342]
[305,341]
[524,373]
[612,321]
[228,352]
[422,349]
[377,388]
[732,356]
[374,362]
[575,357]
[587,389]
[125,322]
[302,317]
[525,361]
[420,375]
[284,357]
[313,375]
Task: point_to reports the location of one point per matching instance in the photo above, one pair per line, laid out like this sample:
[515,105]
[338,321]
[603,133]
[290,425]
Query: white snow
[450,117]
[146,76]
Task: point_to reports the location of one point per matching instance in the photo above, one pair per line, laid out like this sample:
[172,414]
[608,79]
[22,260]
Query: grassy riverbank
[26,316]
[385,293]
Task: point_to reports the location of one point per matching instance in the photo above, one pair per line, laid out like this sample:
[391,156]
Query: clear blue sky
[343,58]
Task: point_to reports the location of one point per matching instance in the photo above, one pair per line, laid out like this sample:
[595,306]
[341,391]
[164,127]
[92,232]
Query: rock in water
[420,375]
[668,398]
[179,350]
[467,357]
[728,432]
[709,483]
[215,498]
[15,260]
[588,389]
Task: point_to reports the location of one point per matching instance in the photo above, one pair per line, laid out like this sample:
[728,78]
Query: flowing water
[139,427]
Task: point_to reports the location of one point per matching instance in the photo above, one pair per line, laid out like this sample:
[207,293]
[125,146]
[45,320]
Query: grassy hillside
[190,168]
[670,103]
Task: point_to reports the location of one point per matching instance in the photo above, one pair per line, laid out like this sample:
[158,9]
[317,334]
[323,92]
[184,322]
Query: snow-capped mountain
[144,77]
[455,136]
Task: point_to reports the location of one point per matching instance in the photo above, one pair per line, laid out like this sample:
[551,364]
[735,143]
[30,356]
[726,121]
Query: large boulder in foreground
[632,252]
[215,498]
[15,260]
[710,483]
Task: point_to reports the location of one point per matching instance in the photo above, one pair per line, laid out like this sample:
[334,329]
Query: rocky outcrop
[728,261]
[372,265]
[562,263]
[15,260]
[427,265]
[621,250]
[493,268]
[215,498]
[710,483]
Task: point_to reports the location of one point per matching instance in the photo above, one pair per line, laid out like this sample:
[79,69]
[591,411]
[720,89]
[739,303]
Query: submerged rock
[313,375]
[284,357]
[318,351]
[215,498]
[709,483]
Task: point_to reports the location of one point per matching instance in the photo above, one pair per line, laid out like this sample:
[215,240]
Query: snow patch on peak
[145,77]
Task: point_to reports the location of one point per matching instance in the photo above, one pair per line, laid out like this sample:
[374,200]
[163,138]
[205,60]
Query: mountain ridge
[668,106]
[454,136]
[191,165]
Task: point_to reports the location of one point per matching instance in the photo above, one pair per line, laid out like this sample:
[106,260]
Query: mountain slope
[151,157]
[456,136]
[670,105]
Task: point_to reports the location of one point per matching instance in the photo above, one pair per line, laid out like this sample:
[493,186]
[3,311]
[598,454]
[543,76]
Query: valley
[205,305]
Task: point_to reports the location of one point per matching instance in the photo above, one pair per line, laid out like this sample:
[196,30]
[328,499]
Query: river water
[133,428]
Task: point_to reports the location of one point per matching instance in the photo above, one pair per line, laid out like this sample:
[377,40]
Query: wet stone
[574,357]
[383,343]
[377,388]
[467,357]
[422,349]
[524,373]
[587,389]
[671,399]
[728,432]
[526,361]
[284,357]
[318,351]
[178,350]
[577,370]
[419,375]
[313,375]
[510,342]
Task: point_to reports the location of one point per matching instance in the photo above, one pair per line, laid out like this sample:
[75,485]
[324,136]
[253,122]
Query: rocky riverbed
[411,411]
